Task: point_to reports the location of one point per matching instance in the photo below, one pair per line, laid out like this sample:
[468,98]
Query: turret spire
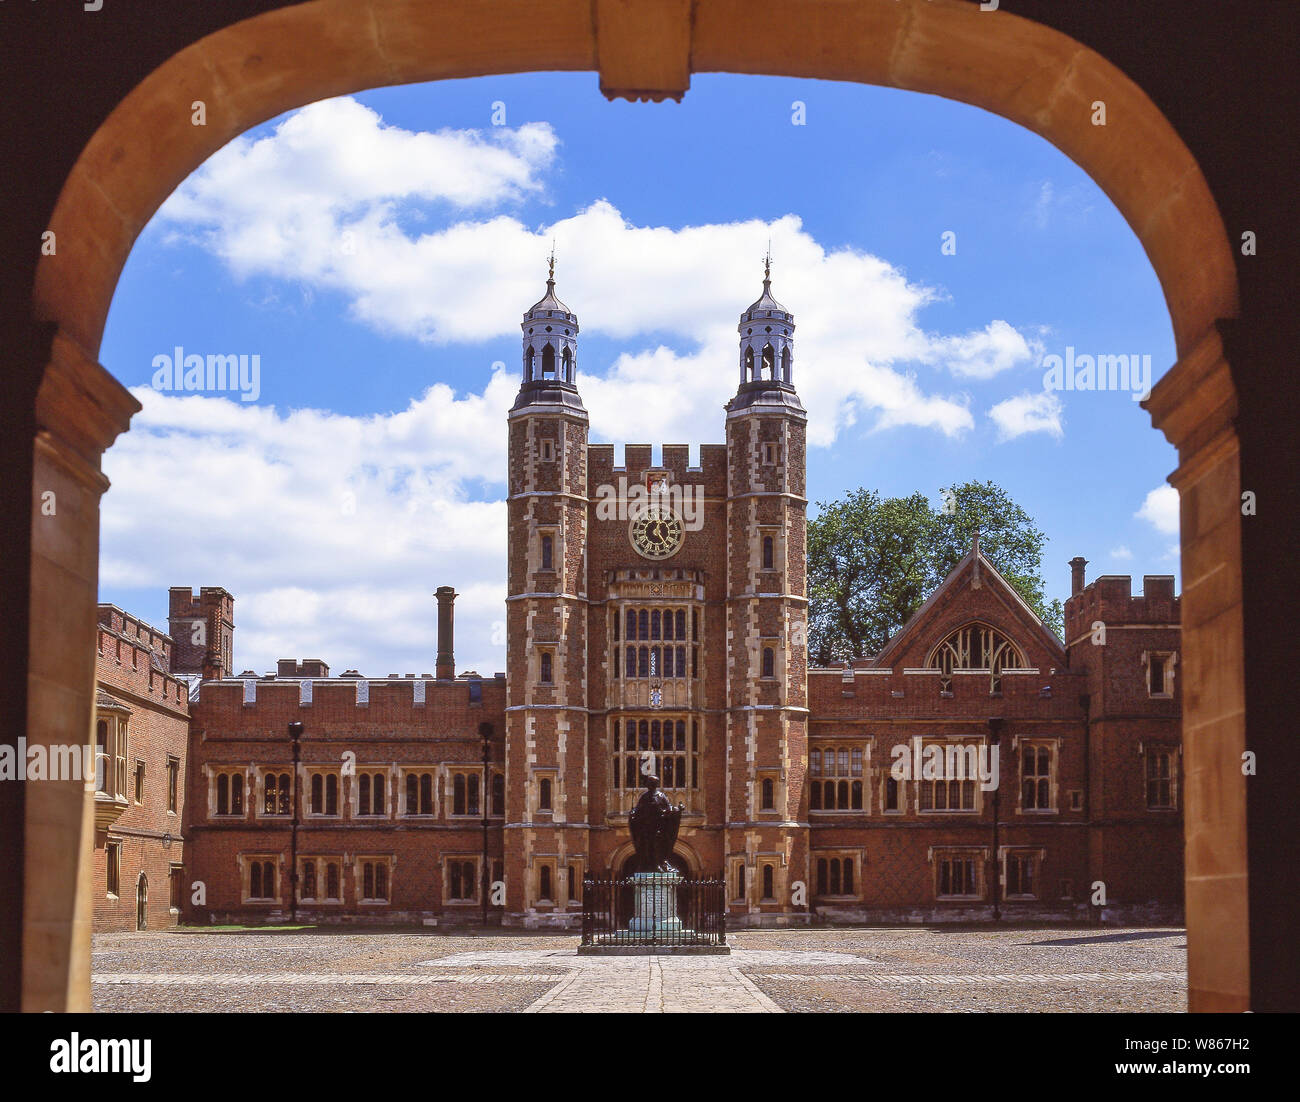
[550,349]
[767,340]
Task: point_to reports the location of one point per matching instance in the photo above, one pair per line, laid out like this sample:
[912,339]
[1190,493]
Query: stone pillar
[1195,406]
[80,410]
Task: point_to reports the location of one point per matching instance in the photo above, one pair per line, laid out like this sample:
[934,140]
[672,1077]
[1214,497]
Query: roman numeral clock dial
[656,533]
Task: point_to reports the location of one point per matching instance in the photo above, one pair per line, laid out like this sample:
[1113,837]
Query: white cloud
[284,206]
[1160,510]
[986,352]
[331,531]
[1121,553]
[1026,413]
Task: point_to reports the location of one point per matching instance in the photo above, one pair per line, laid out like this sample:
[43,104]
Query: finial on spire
[767,265]
[550,273]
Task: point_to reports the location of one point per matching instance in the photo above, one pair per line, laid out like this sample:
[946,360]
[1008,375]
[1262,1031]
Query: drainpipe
[295,733]
[485,731]
[1085,702]
[995,740]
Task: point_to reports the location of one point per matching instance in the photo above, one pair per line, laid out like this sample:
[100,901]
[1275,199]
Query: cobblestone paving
[837,969]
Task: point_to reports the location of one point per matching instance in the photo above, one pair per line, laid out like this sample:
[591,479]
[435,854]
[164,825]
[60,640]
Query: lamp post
[295,733]
[995,740]
[485,732]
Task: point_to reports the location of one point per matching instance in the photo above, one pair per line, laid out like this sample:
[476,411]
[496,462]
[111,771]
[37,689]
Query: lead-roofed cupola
[766,351]
[550,350]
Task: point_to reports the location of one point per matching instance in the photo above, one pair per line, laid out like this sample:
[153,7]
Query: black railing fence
[615,912]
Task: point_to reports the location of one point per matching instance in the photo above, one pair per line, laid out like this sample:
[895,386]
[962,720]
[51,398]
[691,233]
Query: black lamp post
[295,733]
[995,740]
[485,732]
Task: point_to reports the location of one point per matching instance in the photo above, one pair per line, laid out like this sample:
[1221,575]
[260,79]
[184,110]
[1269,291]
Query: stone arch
[684,850]
[258,68]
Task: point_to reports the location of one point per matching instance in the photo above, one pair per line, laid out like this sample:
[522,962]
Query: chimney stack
[445,668]
[1076,574]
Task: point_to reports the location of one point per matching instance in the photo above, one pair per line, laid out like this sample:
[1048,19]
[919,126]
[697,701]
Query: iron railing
[609,907]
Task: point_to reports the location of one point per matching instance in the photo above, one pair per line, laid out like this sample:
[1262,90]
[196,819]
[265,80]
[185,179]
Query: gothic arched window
[566,361]
[975,646]
[769,362]
[785,365]
[749,365]
[548,362]
[529,356]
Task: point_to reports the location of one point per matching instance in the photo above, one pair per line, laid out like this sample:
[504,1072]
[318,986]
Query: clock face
[656,533]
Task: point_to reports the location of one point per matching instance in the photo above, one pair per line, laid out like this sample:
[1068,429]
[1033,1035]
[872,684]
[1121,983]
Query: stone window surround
[308,771]
[936,855]
[1038,854]
[838,853]
[322,860]
[245,876]
[1170,659]
[213,772]
[834,743]
[474,859]
[1053,745]
[1175,752]
[917,782]
[389,863]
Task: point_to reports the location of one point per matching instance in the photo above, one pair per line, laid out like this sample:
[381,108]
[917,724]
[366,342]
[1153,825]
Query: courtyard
[873,970]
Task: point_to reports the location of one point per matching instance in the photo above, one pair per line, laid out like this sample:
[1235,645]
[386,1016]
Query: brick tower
[546,835]
[766,842]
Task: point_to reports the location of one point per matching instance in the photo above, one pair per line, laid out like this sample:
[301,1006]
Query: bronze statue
[654,823]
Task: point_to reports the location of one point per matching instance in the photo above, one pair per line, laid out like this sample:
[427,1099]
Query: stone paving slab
[650,988]
[886,970]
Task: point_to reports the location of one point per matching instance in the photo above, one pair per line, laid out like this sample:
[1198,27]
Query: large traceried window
[975,647]
[673,746]
[662,635]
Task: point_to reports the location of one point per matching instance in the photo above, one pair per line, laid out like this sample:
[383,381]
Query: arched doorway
[624,907]
[1030,74]
[142,903]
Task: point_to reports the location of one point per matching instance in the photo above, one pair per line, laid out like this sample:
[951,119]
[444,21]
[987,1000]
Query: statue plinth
[654,905]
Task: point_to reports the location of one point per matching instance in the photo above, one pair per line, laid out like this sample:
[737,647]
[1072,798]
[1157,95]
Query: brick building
[656,618]
[141,752]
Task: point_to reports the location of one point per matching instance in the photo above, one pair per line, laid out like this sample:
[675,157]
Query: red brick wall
[151,838]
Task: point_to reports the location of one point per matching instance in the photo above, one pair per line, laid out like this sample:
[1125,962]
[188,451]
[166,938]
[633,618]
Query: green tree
[873,561]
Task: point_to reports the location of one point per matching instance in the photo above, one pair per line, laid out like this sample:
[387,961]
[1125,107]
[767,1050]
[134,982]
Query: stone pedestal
[654,904]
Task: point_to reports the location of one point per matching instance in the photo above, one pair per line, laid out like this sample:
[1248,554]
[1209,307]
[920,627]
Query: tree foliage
[873,561]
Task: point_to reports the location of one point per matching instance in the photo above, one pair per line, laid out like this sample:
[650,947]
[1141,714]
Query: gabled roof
[973,565]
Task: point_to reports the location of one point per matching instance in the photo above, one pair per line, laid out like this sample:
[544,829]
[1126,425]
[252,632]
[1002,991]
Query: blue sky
[376,253]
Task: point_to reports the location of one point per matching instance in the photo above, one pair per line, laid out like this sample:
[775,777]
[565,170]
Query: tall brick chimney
[1076,574]
[445,669]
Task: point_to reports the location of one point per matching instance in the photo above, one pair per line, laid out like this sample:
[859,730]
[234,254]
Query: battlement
[137,657]
[638,458]
[136,630]
[1110,599]
[236,702]
[868,693]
